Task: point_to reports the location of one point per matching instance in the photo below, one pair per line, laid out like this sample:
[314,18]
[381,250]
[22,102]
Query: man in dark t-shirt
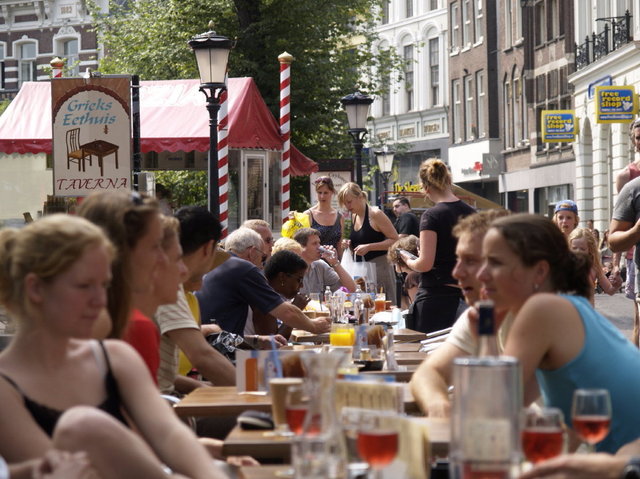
[406,223]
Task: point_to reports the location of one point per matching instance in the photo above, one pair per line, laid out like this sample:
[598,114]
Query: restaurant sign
[615,104]
[558,126]
[91,135]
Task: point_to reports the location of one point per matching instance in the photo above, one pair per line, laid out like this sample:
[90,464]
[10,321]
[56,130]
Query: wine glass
[591,415]
[350,419]
[296,407]
[542,434]
[377,441]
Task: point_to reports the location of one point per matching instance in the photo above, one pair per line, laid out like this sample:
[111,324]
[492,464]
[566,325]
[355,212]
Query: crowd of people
[122,302]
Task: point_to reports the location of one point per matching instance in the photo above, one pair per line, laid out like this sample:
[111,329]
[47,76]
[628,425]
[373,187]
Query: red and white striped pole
[57,65]
[285,60]
[223,162]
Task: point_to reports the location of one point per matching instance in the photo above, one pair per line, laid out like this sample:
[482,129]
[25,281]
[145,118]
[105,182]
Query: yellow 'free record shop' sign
[615,104]
[558,126]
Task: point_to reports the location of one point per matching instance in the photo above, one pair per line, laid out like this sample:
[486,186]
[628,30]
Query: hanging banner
[558,126]
[615,104]
[91,134]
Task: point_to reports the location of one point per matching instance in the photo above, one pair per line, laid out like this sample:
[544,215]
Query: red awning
[172,117]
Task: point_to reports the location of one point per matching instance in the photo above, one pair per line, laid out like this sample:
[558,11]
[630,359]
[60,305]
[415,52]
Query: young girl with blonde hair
[582,240]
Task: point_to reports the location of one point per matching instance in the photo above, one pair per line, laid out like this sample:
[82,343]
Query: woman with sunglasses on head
[61,389]
[324,217]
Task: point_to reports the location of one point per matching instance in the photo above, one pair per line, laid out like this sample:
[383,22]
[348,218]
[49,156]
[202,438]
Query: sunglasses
[323,179]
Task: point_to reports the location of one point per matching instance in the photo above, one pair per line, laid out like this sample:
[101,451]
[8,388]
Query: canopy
[172,117]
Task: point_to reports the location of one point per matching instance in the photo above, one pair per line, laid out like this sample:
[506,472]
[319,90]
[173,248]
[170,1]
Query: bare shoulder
[120,352]
[547,308]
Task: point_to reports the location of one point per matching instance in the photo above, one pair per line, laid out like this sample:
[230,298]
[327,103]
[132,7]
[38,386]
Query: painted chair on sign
[75,153]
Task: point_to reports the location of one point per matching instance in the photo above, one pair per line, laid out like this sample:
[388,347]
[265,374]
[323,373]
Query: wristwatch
[632,469]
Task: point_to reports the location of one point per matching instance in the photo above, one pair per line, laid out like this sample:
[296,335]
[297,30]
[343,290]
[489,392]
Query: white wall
[25,183]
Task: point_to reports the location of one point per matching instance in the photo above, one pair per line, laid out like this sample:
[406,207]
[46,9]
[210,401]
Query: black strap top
[367,235]
[47,417]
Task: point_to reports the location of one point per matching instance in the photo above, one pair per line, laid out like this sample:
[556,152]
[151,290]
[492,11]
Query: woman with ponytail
[559,339]
[439,297]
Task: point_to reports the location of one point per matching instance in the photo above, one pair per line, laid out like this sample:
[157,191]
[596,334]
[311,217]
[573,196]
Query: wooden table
[410,358]
[221,401]
[100,149]
[401,335]
[263,445]
[227,401]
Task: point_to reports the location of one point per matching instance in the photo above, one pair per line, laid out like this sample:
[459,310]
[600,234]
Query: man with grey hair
[264,230]
[232,288]
[247,245]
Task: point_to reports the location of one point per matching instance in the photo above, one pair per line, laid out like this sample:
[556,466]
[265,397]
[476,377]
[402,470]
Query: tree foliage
[187,187]
[331,40]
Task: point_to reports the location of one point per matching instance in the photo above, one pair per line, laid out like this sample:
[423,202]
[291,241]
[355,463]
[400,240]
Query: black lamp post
[357,107]
[212,54]
[385,163]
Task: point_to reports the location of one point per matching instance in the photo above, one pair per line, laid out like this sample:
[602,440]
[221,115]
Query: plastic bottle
[327,298]
[358,306]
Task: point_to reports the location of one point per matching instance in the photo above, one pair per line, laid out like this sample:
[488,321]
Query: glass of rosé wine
[378,439]
[591,415]
[542,434]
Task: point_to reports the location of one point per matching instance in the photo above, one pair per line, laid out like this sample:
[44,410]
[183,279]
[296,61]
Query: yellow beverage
[341,337]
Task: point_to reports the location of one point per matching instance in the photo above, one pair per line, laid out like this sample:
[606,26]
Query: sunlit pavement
[619,309]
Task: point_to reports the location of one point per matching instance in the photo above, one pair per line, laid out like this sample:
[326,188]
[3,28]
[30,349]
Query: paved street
[619,309]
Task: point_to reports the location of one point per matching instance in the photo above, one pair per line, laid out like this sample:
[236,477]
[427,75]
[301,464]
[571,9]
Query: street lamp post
[385,163]
[357,107]
[212,54]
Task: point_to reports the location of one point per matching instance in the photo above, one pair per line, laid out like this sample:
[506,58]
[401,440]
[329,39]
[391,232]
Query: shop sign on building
[91,135]
[558,125]
[615,104]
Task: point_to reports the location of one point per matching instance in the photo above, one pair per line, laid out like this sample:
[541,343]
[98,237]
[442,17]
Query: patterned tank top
[329,235]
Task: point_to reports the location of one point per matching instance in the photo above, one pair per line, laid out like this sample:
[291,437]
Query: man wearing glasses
[236,286]
[264,230]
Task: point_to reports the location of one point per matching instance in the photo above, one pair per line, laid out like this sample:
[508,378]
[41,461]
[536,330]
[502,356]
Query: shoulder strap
[12,382]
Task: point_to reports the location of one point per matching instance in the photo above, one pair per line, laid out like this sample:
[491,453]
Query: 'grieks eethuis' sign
[91,135]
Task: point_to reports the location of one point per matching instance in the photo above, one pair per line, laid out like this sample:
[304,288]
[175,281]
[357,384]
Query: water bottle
[358,306]
[327,298]
[487,342]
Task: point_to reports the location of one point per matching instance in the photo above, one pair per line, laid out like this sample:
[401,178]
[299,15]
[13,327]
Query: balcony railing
[601,44]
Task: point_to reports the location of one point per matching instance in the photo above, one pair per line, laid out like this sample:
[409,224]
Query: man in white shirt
[432,379]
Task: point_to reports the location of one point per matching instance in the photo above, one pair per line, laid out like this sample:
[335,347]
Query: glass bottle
[487,342]
[358,307]
[320,451]
[327,298]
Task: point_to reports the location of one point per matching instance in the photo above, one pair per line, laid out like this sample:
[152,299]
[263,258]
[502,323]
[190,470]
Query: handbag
[294,223]
[359,269]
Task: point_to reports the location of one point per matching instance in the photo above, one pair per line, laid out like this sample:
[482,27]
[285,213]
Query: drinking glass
[350,419]
[542,434]
[377,441]
[380,302]
[591,415]
[296,406]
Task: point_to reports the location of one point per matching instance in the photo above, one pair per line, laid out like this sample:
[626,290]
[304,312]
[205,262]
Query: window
[508,24]
[433,4]
[541,92]
[469,124]
[524,114]
[386,96]
[434,70]
[408,8]
[478,33]
[457,111]
[518,31]
[466,22]
[540,23]
[517,110]
[27,62]
[553,84]
[385,12]
[553,29]
[508,117]
[454,28]
[70,52]
[2,55]
[480,104]
[408,76]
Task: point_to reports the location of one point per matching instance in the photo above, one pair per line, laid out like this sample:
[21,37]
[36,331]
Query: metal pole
[135,110]
[213,105]
[357,136]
